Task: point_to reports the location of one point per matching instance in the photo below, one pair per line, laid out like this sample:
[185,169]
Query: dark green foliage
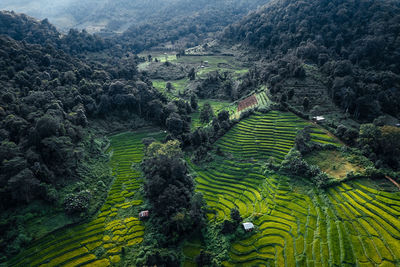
[294,164]
[368,139]
[228,227]
[223,116]
[204,259]
[235,216]
[184,23]
[302,141]
[380,144]
[47,98]
[193,102]
[217,85]
[192,74]
[283,98]
[170,191]
[23,28]
[47,126]
[348,135]
[341,37]
[158,257]
[206,113]
[306,104]
[168,87]
[77,202]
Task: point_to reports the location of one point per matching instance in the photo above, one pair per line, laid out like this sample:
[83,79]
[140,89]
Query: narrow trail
[393,181]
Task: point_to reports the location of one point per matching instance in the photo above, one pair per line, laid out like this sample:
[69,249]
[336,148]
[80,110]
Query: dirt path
[393,181]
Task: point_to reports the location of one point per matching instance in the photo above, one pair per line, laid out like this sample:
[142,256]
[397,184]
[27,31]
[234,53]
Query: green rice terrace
[268,135]
[296,224]
[100,241]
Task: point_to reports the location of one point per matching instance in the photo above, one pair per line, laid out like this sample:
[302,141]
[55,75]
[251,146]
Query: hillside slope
[144,23]
[356,44]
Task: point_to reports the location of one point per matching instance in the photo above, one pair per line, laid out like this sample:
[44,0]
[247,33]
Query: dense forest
[186,23]
[354,43]
[47,96]
[144,24]
[24,28]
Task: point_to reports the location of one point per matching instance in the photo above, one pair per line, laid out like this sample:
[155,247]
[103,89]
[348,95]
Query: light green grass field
[217,106]
[215,63]
[177,87]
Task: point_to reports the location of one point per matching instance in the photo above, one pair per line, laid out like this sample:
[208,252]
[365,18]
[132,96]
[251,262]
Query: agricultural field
[353,224]
[259,99]
[214,63]
[217,106]
[268,135]
[178,86]
[191,249]
[100,241]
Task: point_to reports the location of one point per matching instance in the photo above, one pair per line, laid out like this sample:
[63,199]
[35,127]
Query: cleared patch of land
[217,106]
[334,163]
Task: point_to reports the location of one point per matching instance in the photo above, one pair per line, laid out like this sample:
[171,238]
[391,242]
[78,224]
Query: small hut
[144,214]
[318,119]
[248,226]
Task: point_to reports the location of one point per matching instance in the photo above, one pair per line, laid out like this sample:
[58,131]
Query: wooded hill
[356,44]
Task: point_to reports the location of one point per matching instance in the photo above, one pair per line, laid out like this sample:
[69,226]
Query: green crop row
[348,225]
[75,246]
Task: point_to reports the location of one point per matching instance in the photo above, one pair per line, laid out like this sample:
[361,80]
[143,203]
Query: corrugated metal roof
[248,226]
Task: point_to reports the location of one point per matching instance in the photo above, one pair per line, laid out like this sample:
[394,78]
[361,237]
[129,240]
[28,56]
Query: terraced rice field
[99,242]
[263,99]
[260,100]
[268,135]
[350,225]
[295,223]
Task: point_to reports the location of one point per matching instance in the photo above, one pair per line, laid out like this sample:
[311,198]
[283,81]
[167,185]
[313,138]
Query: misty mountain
[117,16]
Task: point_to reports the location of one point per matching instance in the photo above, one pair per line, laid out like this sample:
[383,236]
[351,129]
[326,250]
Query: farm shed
[143,214]
[248,226]
[318,119]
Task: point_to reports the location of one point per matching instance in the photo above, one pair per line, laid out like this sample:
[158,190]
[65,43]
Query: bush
[78,202]
[294,163]
[321,179]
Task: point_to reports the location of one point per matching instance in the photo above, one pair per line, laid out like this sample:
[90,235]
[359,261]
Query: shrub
[78,202]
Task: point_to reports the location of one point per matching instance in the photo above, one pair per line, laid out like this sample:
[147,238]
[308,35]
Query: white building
[318,119]
[248,226]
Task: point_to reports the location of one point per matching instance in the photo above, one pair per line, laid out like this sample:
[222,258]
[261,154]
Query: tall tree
[206,113]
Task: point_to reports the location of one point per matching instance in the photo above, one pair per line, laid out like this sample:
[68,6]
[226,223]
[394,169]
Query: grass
[191,249]
[215,63]
[333,163]
[177,86]
[217,106]
[112,228]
